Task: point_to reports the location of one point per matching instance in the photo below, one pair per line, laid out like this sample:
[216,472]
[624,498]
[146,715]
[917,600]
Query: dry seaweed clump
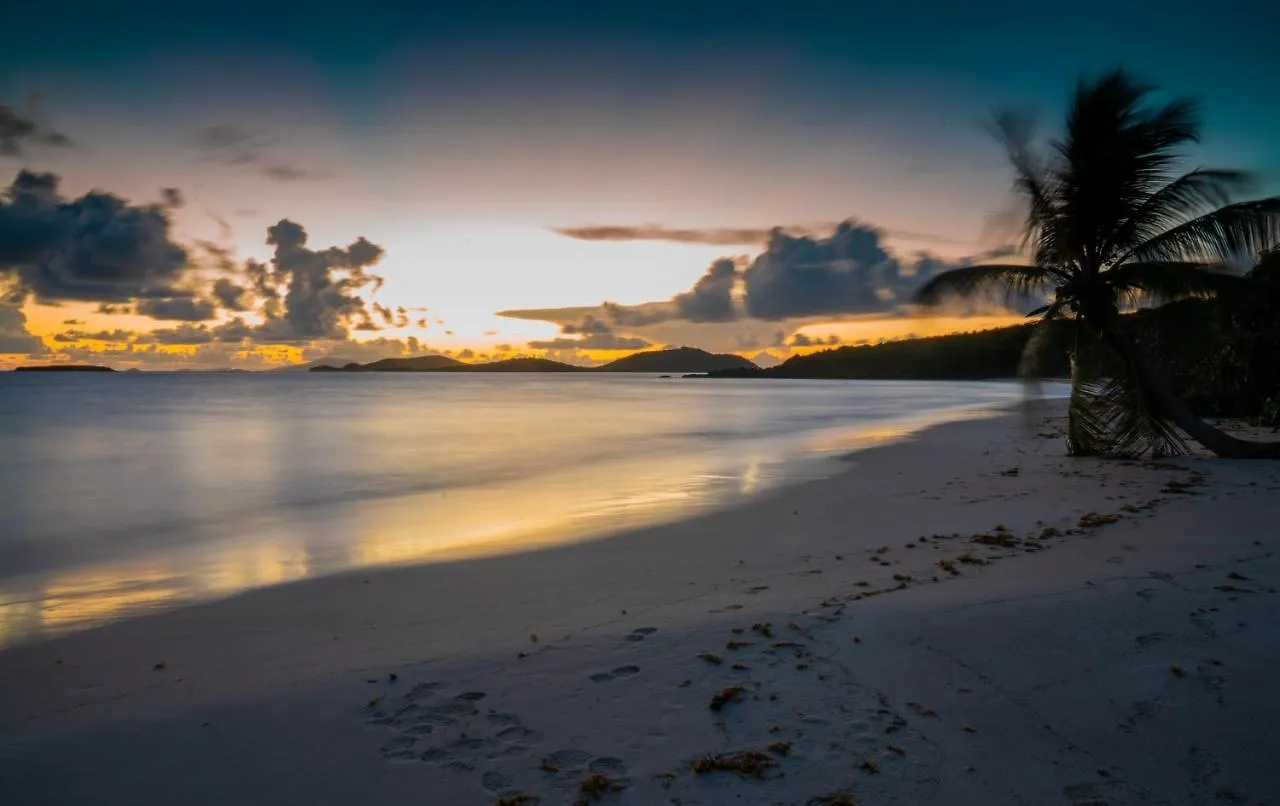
[1090,520]
[595,786]
[833,799]
[747,763]
[712,658]
[516,799]
[726,696]
[780,748]
[949,566]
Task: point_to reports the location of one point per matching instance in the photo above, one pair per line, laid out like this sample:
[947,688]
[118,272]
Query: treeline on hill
[1222,355]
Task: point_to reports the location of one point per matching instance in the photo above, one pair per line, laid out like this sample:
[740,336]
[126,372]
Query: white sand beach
[968,617]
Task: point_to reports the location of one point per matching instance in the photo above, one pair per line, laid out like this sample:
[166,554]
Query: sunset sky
[245,184]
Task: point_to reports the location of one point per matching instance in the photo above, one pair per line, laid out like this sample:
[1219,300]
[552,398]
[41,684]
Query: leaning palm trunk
[1157,389]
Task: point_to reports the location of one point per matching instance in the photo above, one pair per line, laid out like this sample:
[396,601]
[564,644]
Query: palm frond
[1191,195]
[1235,231]
[1033,178]
[1086,428]
[1135,426]
[1158,282]
[1015,280]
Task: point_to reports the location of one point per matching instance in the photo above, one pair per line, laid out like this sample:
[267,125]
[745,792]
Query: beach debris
[548,765]
[1090,520]
[737,630]
[533,637]
[1177,671]
[373,702]
[871,767]
[949,566]
[393,677]
[791,625]
[596,785]
[901,577]
[1237,576]
[969,558]
[764,628]
[1000,538]
[725,696]
[1050,531]
[712,658]
[833,799]
[746,763]
[775,729]
[920,710]
[736,644]
[685,683]
[739,667]
[161,665]
[897,751]
[780,748]
[516,799]
[969,729]
[1012,471]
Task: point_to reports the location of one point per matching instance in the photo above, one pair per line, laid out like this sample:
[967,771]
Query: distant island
[678,360]
[63,368]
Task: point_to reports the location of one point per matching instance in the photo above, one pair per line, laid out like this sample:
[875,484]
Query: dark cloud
[69,336]
[73,322]
[391,317]
[96,248]
[593,334]
[230,295]
[650,313]
[724,236]
[17,132]
[14,336]
[716,236]
[805,276]
[290,173]
[801,340]
[229,144]
[711,299]
[186,309]
[172,197]
[312,294]
[223,137]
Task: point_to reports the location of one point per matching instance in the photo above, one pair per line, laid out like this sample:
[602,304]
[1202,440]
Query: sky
[250,184]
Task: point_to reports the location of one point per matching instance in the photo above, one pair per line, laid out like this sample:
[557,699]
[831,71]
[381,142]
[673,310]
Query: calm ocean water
[125,493]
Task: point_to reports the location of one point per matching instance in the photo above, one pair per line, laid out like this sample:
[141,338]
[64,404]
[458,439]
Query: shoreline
[181,574]
[1038,656]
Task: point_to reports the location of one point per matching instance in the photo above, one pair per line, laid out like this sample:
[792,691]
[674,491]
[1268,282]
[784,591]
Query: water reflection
[223,491]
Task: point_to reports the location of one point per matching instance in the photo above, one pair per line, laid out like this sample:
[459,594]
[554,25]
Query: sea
[126,493]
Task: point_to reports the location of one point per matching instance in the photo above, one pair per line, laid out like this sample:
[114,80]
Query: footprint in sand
[616,674]
[640,633]
[1150,639]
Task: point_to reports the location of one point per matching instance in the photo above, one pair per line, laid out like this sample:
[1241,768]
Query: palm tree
[1109,224]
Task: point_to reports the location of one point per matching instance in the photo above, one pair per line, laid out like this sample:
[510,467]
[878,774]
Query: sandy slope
[1125,662]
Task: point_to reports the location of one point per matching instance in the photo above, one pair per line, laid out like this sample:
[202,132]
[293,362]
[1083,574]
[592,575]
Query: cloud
[711,299]
[715,236]
[235,146]
[186,309]
[725,236]
[290,173]
[17,132]
[801,340]
[848,272]
[96,248]
[231,296]
[312,294]
[609,341]
[593,334]
[114,336]
[14,336]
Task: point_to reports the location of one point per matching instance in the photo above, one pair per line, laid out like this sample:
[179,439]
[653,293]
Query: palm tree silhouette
[1109,224]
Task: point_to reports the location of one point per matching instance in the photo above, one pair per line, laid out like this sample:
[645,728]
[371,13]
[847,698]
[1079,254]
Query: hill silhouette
[682,359]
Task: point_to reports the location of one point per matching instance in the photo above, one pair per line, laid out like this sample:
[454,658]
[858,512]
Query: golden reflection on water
[518,515]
